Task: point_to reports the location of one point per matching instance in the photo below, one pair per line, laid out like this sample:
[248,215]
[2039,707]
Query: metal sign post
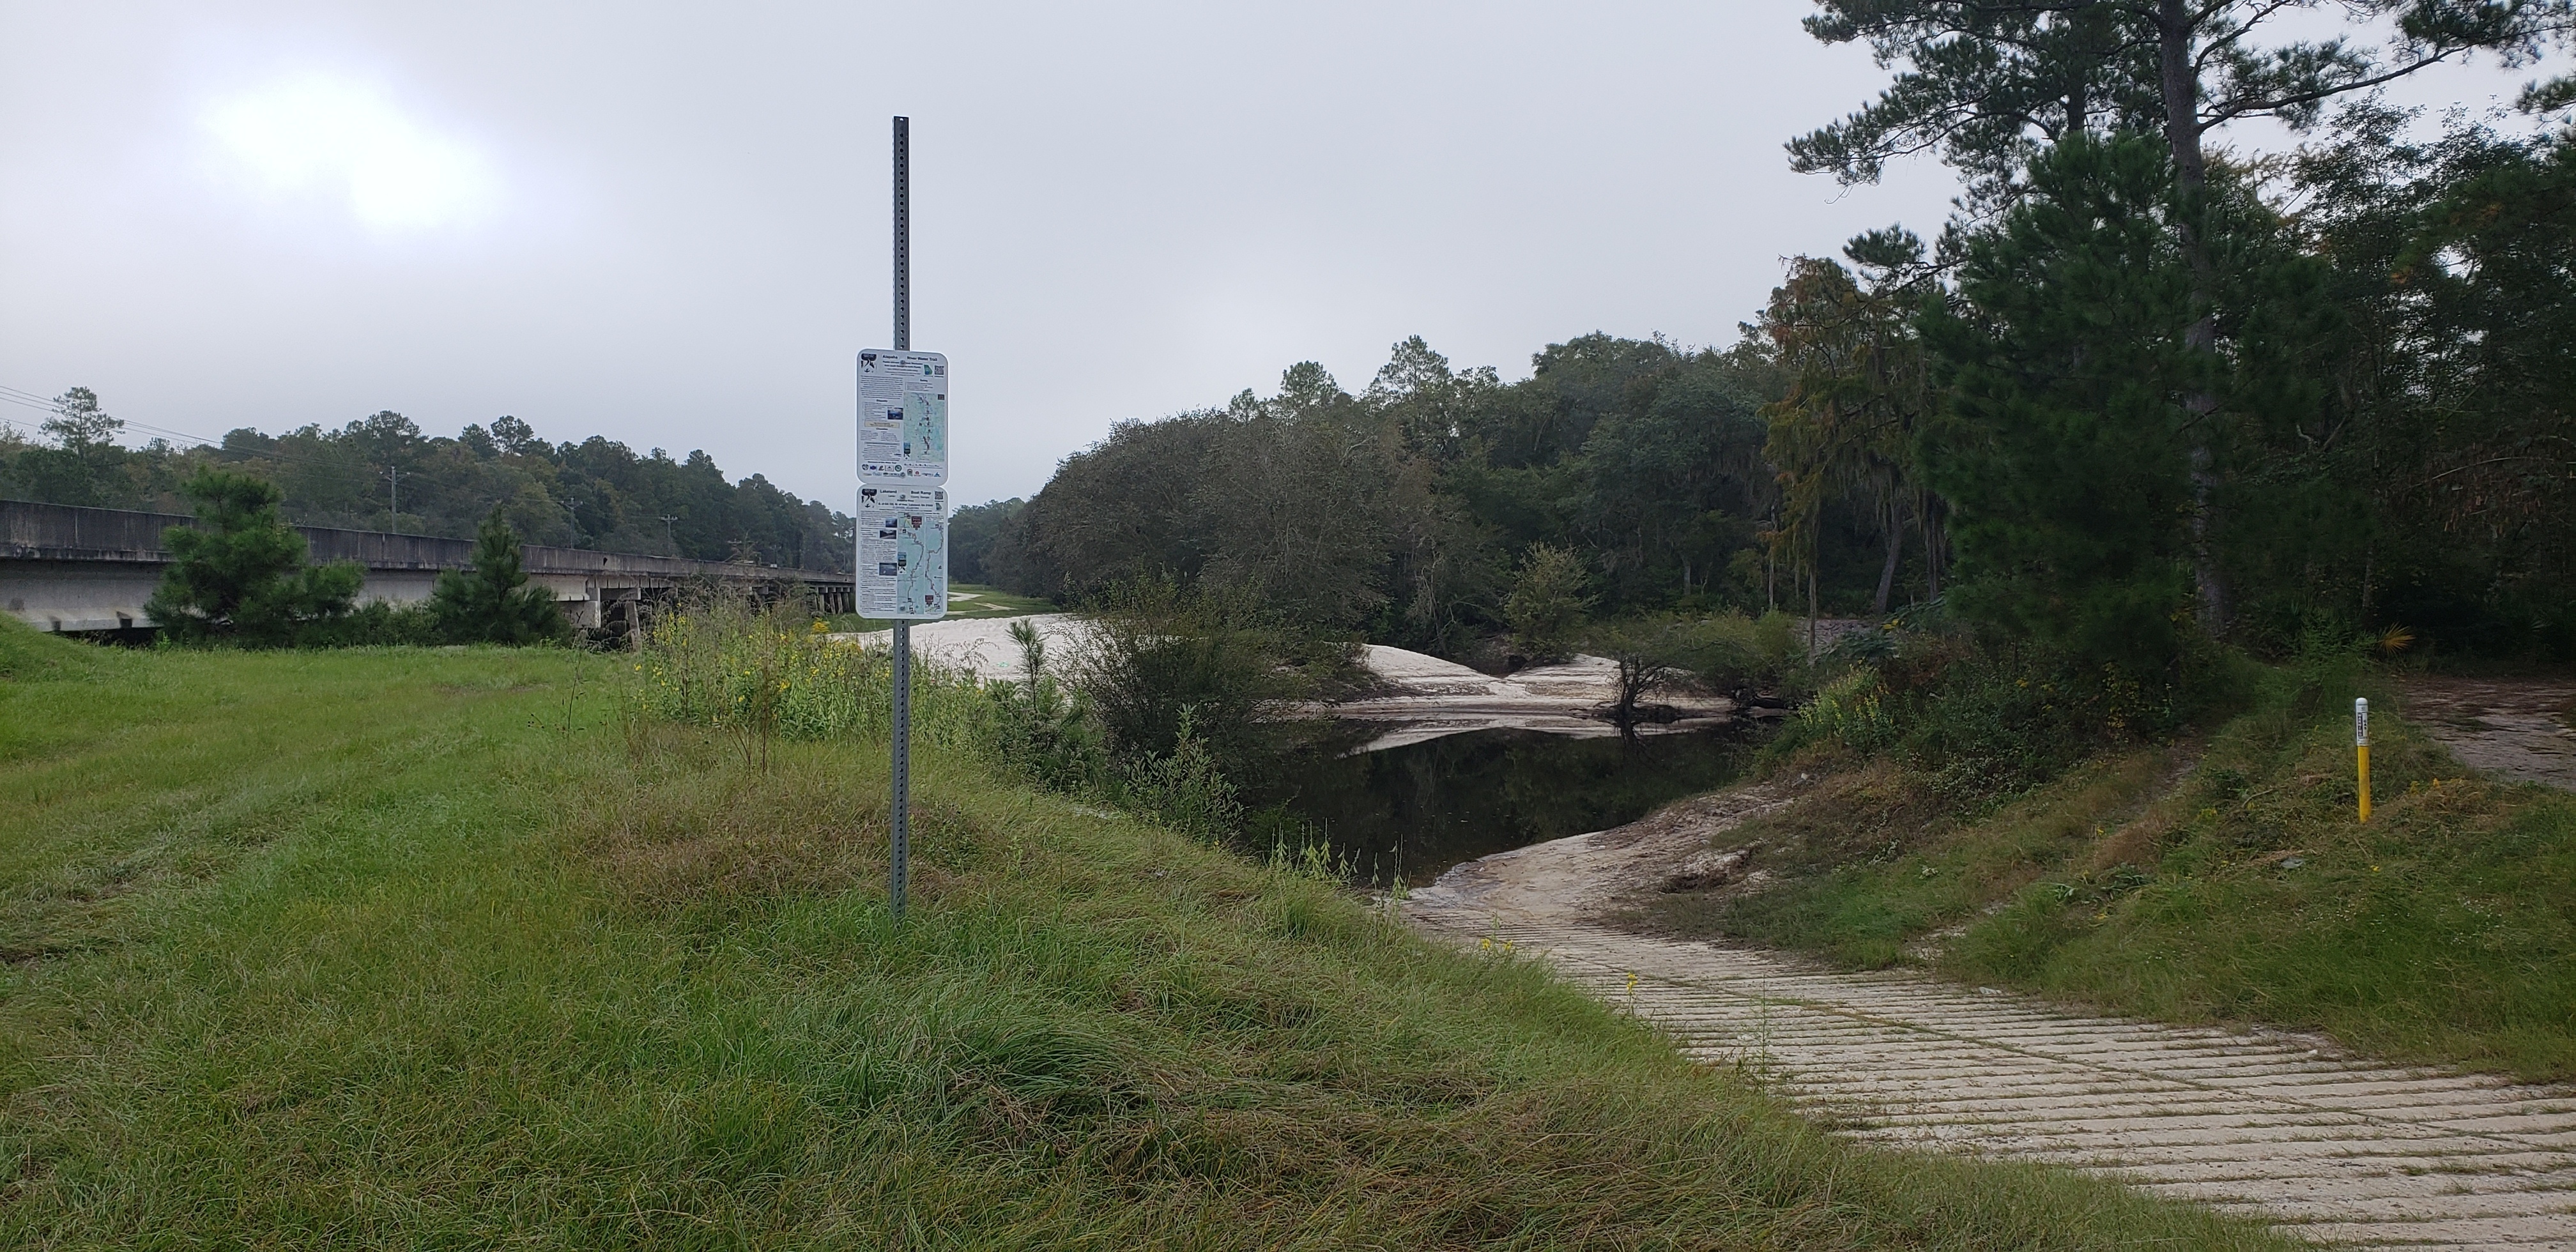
[902,570]
[898,869]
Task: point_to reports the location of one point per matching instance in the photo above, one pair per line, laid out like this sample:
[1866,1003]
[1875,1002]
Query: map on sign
[925,427]
[903,553]
[903,418]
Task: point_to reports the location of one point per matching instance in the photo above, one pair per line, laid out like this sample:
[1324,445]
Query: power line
[31,400]
[15,395]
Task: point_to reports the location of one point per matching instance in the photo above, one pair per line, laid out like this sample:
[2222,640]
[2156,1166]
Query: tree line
[1403,511]
[2139,391]
[381,473]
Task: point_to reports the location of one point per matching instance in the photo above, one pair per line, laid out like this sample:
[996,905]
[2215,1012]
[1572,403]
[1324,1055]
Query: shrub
[772,672]
[1156,654]
[1988,720]
[1183,788]
[1739,655]
[1852,711]
[1547,602]
[374,623]
[1651,654]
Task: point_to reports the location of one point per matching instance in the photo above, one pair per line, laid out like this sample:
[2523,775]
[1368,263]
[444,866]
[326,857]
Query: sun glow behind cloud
[346,143]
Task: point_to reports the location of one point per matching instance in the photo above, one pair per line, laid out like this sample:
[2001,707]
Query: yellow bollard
[2361,751]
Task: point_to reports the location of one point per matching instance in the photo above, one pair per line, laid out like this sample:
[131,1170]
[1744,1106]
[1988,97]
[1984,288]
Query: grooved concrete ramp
[2523,729]
[2277,1127]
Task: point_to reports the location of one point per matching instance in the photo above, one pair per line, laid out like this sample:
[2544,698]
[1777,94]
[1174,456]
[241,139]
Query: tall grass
[764,673]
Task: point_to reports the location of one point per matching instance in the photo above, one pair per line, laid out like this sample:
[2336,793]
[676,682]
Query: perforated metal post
[902,822]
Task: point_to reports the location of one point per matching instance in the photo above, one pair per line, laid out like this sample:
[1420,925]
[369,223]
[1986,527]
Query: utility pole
[572,513]
[667,540]
[897,868]
[393,507]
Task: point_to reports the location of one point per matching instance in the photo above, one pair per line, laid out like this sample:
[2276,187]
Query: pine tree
[2065,448]
[244,580]
[493,602]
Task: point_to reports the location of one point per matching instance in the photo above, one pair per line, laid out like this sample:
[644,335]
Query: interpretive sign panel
[903,418]
[903,461]
[903,553]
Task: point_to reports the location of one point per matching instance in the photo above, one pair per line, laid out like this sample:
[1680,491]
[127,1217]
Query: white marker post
[902,570]
[2361,750]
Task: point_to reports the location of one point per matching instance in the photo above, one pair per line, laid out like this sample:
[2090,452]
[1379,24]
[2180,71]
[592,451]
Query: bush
[375,624]
[1740,655]
[771,672]
[1989,720]
[1851,711]
[1548,602]
[1157,654]
[1652,654]
[1183,788]
[775,673]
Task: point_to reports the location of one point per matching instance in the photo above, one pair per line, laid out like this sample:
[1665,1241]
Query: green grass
[2242,891]
[410,947]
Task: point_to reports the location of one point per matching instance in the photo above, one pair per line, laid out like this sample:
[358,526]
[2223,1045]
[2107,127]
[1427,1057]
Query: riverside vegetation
[2209,869]
[471,946]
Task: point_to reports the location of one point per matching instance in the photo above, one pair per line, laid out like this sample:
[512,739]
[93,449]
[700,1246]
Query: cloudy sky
[667,223]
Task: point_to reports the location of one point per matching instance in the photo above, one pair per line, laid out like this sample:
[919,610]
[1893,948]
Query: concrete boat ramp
[2282,1128]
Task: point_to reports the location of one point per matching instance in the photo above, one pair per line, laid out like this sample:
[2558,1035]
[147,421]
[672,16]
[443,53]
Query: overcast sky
[667,223]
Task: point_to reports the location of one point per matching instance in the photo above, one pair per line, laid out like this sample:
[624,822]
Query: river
[1411,812]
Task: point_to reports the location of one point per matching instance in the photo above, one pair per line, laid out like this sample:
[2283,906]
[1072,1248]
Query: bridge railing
[64,532]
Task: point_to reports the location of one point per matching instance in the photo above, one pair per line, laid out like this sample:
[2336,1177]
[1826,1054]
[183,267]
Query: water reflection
[1412,812]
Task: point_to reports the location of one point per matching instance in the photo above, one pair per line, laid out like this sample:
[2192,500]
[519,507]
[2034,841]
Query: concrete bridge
[64,568]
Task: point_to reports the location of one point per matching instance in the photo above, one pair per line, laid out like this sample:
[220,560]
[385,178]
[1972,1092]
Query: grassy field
[404,948]
[2225,880]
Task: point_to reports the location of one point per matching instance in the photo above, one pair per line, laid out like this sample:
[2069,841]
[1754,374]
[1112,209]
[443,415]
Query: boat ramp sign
[903,470]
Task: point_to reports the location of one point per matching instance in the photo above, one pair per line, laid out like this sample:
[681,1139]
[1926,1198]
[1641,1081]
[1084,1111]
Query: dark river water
[1415,811]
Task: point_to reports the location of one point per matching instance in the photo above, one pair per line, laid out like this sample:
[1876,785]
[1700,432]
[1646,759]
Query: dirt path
[2275,1126]
[2524,729]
